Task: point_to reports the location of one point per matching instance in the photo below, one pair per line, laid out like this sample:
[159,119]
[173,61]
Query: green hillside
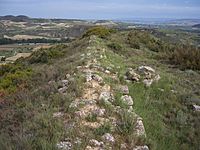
[108,89]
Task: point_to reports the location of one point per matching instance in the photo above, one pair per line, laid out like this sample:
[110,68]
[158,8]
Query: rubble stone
[127,100]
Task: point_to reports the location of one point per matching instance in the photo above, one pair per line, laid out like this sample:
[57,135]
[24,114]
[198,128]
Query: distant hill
[20,18]
[196,26]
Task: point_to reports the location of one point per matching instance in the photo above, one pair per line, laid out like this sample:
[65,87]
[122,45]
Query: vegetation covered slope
[35,115]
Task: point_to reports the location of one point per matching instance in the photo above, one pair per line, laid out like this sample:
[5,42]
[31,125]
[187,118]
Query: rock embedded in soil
[141,148]
[124,89]
[140,130]
[127,100]
[65,145]
[146,69]
[96,143]
[108,138]
[196,108]
[132,75]
[106,96]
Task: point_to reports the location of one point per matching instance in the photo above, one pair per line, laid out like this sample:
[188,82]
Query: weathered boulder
[63,89]
[148,82]
[127,100]
[145,73]
[124,89]
[146,69]
[132,75]
[140,130]
[97,78]
[106,96]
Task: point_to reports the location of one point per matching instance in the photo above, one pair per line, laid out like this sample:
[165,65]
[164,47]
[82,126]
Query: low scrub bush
[99,31]
[106,128]
[187,57]
[137,38]
[13,76]
[115,46]
[127,122]
[44,55]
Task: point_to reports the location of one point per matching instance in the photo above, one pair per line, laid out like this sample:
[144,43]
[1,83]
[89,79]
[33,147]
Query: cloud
[98,8]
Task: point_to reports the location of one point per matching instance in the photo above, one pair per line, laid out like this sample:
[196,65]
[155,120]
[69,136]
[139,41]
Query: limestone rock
[127,100]
[67,76]
[132,75]
[123,146]
[141,148]
[140,130]
[97,78]
[108,138]
[57,114]
[88,76]
[100,112]
[157,78]
[63,89]
[106,96]
[80,114]
[146,69]
[107,72]
[148,82]
[95,143]
[64,145]
[196,107]
[65,82]
[124,89]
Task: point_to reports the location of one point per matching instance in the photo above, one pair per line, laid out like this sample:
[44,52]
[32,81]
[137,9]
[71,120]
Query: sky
[102,9]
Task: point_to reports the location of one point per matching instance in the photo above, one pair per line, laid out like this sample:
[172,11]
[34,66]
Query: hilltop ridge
[105,90]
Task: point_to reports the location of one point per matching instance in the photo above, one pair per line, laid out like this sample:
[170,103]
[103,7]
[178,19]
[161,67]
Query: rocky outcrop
[132,75]
[145,74]
[92,109]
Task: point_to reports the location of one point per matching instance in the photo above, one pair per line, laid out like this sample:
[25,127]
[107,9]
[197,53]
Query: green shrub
[13,76]
[186,57]
[44,55]
[115,46]
[133,40]
[106,128]
[127,122]
[99,31]
[91,118]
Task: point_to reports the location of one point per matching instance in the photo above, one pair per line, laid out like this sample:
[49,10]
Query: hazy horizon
[103,9]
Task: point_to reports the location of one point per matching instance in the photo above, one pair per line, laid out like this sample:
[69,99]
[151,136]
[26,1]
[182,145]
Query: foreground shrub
[13,76]
[187,57]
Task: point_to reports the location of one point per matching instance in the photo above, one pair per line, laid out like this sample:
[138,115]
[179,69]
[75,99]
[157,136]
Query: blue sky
[102,9]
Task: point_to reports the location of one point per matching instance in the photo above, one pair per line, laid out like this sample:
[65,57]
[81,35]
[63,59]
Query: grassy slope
[170,123]
[26,115]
